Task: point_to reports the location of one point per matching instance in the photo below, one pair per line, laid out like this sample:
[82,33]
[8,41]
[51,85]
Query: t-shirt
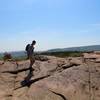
[31,50]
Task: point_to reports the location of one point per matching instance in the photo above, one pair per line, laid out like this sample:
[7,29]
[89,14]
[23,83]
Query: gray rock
[53,79]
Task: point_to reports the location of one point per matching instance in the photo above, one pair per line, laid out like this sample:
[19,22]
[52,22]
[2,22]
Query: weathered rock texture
[53,79]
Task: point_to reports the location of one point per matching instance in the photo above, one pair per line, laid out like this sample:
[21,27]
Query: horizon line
[49,49]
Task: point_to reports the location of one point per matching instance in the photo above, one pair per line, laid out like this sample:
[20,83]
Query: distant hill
[18,53]
[82,48]
[15,54]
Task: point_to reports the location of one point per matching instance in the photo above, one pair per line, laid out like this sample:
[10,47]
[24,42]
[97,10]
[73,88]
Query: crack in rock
[16,71]
[71,65]
[29,82]
[59,94]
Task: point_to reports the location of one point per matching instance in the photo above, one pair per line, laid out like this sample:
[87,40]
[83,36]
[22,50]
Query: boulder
[41,57]
[91,56]
[54,79]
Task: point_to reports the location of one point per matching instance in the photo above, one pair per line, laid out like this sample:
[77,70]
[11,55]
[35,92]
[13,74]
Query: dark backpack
[27,47]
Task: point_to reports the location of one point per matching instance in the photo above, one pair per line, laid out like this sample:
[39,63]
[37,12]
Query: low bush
[64,54]
[7,56]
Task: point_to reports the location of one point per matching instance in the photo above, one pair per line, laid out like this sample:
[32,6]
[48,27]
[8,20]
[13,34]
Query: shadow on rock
[27,79]
[27,82]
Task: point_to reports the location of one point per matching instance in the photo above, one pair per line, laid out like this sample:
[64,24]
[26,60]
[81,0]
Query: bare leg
[32,61]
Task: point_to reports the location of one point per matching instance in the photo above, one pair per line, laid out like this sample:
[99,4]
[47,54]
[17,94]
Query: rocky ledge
[53,79]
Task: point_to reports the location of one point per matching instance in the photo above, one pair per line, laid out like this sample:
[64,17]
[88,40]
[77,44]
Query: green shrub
[20,58]
[64,54]
[7,56]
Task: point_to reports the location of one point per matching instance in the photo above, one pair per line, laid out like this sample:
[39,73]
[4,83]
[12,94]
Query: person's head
[33,42]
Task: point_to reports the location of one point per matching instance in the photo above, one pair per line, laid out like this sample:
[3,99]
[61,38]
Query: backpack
[27,47]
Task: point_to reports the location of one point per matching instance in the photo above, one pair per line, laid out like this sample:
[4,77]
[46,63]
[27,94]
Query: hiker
[30,54]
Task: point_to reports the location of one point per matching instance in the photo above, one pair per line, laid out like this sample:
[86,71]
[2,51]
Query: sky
[52,23]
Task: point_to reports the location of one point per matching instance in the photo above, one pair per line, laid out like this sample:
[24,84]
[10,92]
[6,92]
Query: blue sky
[52,23]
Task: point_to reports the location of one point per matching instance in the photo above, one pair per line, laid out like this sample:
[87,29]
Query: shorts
[32,58]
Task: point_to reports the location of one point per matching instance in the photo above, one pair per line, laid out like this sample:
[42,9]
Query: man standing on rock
[30,54]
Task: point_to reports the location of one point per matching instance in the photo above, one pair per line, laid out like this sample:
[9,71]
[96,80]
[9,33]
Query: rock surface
[53,79]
